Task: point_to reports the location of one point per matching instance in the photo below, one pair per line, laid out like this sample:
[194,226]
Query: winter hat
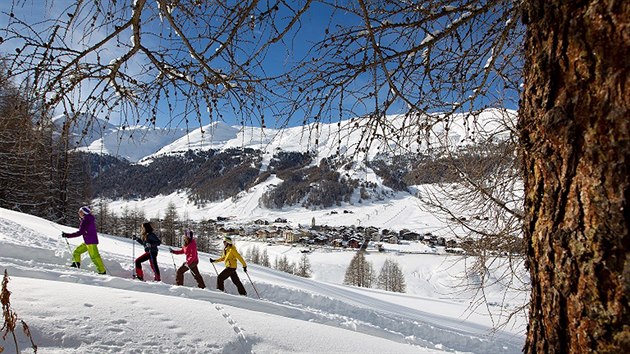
[85,209]
[188,234]
[227,239]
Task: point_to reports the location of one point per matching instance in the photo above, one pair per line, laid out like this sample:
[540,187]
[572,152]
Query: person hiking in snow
[87,229]
[150,241]
[230,255]
[192,259]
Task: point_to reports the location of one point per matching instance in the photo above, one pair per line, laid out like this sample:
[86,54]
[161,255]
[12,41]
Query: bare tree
[253,255]
[146,59]
[391,277]
[23,164]
[169,225]
[264,259]
[37,175]
[206,233]
[359,272]
[282,264]
[303,268]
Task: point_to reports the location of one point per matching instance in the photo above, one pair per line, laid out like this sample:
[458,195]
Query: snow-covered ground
[78,311]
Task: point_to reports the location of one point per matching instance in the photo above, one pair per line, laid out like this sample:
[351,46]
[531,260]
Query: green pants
[92,250]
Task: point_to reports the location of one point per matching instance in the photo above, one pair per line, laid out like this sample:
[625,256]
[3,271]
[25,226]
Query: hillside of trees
[209,176]
[38,175]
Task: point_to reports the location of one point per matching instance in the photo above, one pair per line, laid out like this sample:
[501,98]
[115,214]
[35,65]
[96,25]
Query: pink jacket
[191,252]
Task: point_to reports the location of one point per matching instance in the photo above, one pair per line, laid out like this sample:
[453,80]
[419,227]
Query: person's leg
[237,281]
[96,258]
[197,275]
[154,266]
[76,255]
[222,276]
[139,260]
[179,277]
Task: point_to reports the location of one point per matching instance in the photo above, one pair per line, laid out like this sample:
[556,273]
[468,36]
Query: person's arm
[174,251]
[221,259]
[139,240]
[82,230]
[240,258]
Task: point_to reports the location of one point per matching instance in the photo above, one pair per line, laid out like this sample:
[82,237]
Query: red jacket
[191,252]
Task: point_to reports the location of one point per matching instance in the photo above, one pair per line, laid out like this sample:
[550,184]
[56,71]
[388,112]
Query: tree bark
[574,126]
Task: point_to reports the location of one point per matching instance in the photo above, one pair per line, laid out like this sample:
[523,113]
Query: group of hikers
[150,241]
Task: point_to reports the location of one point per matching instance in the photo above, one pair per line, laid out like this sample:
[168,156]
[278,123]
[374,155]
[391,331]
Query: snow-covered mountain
[93,134]
[383,208]
[398,134]
[78,311]
[83,129]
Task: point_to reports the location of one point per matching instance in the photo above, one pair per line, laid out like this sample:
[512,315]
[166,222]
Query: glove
[211,260]
[64,235]
[134,238]
[147,249]
[245,269]
[170,249]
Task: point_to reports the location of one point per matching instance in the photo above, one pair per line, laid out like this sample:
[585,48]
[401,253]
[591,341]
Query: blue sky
[279,59]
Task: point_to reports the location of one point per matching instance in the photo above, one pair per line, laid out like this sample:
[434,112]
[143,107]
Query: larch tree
[360,271]
[574,122]
[303,267]
[169,226]
[391,277]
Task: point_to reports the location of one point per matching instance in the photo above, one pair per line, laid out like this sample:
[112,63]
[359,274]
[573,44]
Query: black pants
[152,258]
[179,278]
[230,273]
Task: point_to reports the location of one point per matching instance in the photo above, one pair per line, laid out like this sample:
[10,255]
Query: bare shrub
[11,318]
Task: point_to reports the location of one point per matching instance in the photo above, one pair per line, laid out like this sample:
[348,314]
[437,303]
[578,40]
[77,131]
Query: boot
[76,265]
[139,274]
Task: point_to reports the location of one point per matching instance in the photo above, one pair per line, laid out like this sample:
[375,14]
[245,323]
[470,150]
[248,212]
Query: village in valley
[351,237]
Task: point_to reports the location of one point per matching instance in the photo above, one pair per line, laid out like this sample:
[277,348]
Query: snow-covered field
[78,311]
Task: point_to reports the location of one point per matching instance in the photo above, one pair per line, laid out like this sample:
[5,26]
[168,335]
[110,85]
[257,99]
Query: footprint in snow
[238,330]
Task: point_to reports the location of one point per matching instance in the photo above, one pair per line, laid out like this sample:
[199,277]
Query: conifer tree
[303,268]
[169,225]
[264,259]
[283,264]
[391,277]
[253,255]
[359,272]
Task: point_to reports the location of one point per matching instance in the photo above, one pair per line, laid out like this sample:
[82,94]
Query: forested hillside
[213,175]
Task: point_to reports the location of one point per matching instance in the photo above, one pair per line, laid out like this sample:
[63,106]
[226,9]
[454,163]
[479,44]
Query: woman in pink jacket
[190,249]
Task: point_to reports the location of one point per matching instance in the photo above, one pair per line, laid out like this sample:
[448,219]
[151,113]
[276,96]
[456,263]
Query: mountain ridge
[398,134]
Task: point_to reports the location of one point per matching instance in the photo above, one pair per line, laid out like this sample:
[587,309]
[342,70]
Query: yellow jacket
[230,255]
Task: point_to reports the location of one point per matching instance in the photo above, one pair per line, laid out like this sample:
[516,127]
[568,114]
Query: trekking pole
[250,280]
[133,256]
[215,268]
[68,244]
[69,250]
[174,267]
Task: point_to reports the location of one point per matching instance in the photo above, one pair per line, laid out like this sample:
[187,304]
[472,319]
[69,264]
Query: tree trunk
[574,124]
